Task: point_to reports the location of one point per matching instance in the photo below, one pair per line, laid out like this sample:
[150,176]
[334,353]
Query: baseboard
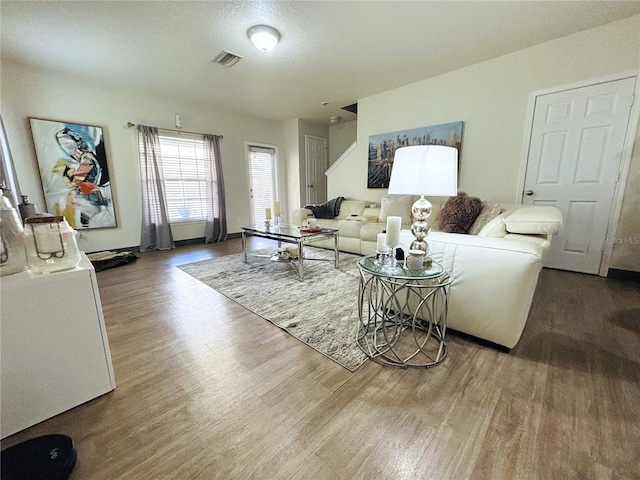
[178,243]
[189,241]
[623,275]
[194,241]
[480,341]
[135,249]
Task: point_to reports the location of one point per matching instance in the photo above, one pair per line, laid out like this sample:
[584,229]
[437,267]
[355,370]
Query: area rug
[321,310]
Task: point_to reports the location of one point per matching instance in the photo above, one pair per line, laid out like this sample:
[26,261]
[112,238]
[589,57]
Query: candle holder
[391,264]
[276,221]
[381,258]
[267,223]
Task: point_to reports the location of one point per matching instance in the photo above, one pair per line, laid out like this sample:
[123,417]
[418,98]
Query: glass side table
[403,313]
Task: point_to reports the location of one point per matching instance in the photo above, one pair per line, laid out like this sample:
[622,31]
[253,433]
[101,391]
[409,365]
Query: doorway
[574,163]
[263,185]
[316,165]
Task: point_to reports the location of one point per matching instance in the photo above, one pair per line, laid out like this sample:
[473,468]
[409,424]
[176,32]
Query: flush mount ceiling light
[263,37]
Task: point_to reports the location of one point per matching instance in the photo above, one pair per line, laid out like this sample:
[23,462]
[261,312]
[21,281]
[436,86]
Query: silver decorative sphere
[421,209]
[420,229]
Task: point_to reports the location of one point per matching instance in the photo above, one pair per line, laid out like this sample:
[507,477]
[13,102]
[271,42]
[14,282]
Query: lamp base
[421,209]
[419,245]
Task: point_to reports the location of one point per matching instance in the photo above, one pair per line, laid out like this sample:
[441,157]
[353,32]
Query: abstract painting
[74,172]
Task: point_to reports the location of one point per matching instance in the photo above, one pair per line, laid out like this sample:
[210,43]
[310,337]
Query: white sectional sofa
[494,272]
[353,216]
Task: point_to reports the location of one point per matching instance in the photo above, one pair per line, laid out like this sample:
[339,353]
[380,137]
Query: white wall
[306,127]
[293,166]
[28,92]
[341,137]
[626,241]
[491,98]
[294,134]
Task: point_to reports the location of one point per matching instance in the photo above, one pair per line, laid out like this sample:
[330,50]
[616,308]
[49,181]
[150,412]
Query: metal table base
[403,315]
[291,234]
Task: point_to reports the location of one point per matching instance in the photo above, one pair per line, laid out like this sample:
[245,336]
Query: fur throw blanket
[328,209]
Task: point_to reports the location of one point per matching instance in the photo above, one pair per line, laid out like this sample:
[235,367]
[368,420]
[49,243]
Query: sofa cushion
[369,231]
[327,223]
[349,208]
[495,227]
[542,241]
[371,213]
[541,220]
[458,213]
[489,210]
[350,227]
[396,206]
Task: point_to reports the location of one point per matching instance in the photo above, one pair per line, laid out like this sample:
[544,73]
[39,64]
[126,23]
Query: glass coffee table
[291,234]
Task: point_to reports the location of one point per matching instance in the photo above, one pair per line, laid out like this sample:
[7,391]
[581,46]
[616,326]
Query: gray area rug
[321,311]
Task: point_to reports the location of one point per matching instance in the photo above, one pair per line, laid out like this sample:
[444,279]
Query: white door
[577,140]
[262,181]
[316,164]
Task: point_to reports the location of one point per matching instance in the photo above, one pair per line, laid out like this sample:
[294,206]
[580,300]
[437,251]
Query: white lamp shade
[430,170]
[264,37]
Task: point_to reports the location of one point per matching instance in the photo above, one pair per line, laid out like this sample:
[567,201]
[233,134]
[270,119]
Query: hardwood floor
[206,389]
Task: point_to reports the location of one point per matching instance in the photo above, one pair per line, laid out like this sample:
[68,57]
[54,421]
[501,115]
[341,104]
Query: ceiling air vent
[227,59]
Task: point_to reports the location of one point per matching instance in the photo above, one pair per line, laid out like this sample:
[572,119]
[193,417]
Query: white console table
[54,348]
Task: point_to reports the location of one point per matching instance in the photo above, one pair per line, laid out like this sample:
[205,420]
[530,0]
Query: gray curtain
[216,224]
[156,231]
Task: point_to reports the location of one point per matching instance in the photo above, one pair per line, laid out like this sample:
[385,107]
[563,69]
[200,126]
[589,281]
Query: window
[262,172]
[184,166]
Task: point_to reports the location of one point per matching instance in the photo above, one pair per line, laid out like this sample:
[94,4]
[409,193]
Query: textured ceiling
[336,52]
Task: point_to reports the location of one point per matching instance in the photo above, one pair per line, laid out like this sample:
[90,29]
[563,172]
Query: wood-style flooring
[208,390]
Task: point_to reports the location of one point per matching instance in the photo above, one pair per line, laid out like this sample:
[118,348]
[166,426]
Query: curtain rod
[131,125]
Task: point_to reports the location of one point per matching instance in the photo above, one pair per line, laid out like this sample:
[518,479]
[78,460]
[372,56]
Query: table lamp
[424,170]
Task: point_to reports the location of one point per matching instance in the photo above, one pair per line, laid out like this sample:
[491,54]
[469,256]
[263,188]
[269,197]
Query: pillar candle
[276,208]
[267,213]
[381,245]
[393,231]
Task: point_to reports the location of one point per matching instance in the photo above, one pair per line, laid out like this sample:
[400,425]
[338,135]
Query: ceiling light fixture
[264,37]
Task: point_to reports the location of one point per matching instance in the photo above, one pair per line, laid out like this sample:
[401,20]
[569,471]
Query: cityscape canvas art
[382,148]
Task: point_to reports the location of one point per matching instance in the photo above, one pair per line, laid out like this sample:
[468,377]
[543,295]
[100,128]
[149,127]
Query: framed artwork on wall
[74,171]
[382,148]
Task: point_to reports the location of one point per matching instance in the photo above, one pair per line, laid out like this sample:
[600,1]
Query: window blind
[184,166]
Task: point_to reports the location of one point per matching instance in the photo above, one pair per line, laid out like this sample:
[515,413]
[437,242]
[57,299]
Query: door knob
[529,192]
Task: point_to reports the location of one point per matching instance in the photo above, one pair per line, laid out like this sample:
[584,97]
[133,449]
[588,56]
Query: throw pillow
[458,213]
[398,206]
[489,210]
[495,227]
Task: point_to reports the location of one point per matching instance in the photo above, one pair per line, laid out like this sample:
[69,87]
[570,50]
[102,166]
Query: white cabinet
[54,348]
